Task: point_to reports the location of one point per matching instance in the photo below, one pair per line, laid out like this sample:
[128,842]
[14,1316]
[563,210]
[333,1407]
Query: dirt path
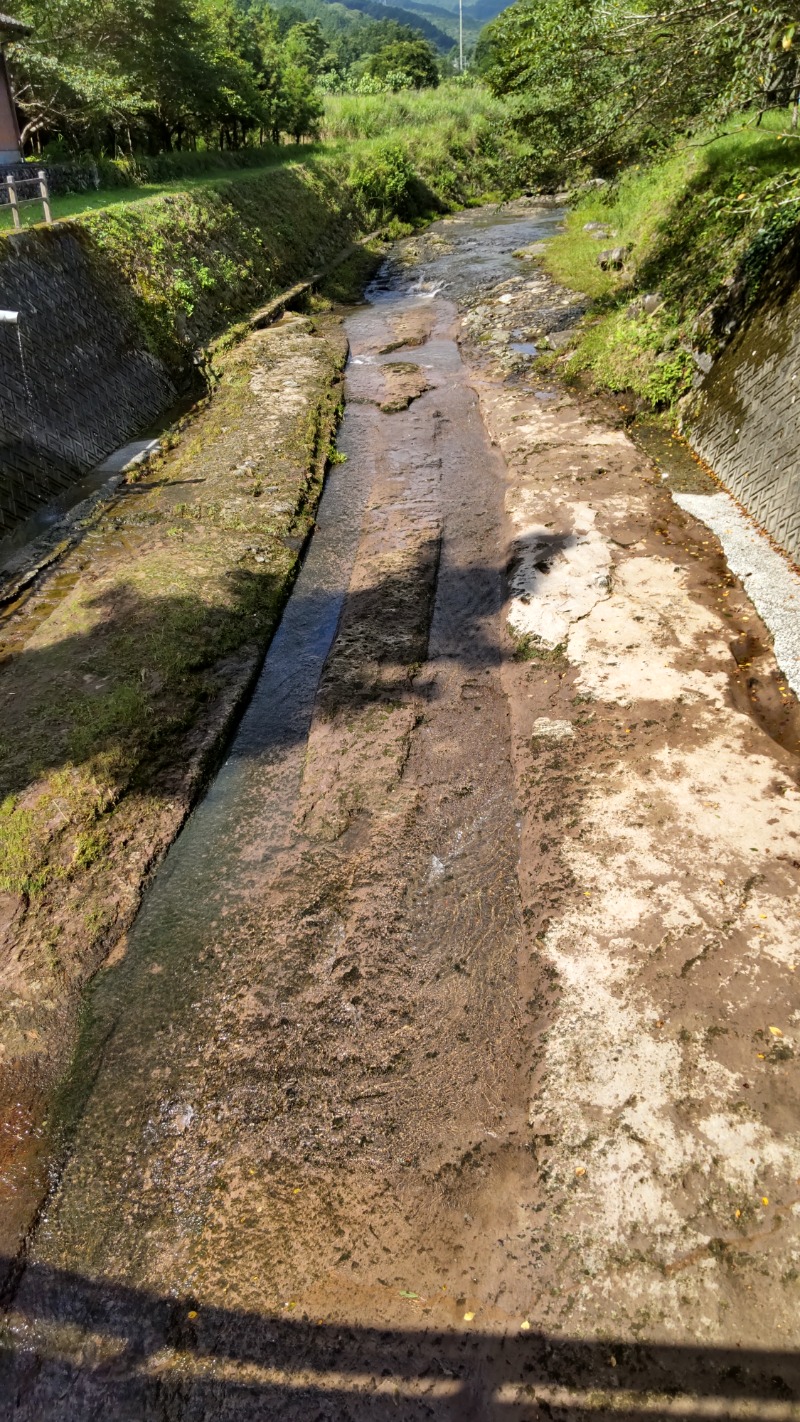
[449,1071]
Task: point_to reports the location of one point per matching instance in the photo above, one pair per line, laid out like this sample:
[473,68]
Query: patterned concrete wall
[745,419]
[75,381]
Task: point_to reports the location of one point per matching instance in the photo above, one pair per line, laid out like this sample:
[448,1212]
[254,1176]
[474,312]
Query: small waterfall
[25,380]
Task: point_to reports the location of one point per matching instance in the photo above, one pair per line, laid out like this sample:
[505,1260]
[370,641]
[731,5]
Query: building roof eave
[11,29]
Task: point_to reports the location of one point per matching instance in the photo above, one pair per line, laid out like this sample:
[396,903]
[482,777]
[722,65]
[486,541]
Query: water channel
[291,1011]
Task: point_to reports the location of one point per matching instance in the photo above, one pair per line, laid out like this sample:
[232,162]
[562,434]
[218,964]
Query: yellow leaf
[468,1317]
[525,1325]
[580,1169]
[776,1031]
[765,1200]
[192,1313]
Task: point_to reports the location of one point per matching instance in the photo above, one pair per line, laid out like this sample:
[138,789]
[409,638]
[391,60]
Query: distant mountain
[437,21]
[445,13]
[378,11]
[478,11]
[485,10]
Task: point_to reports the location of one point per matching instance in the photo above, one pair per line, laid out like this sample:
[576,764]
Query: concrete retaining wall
[744,420]
[75,378]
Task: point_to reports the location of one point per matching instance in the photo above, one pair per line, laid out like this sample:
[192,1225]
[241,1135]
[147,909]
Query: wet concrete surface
[345,1148]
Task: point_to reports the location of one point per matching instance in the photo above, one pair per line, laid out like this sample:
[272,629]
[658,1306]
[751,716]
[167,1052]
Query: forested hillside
[118,77]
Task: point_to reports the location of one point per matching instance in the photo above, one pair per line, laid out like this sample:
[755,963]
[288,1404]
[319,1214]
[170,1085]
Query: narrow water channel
[309,1029]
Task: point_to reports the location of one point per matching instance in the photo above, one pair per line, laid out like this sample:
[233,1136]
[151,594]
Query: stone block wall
[745,418]
[76,380]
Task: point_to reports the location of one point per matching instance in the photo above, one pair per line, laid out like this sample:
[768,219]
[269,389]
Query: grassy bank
[190,257]
[131,181]
[700,229]
[456,137]
[198,259]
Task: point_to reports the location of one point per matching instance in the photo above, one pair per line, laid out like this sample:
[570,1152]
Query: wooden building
[10,29]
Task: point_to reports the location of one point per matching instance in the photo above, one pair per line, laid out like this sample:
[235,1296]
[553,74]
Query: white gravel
[771,583]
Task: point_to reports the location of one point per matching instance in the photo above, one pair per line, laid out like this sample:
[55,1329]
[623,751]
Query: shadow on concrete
[122,1353]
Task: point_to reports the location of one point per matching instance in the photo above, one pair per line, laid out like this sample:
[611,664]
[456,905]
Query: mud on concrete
[656,744]
[122,664]
[450,1069]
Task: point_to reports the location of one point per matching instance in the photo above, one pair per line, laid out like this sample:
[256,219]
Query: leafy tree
[407,63]
[300,107]
[305,46]
[594,82]
[111,75]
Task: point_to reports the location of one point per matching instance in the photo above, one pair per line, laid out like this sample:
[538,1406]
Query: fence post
[12,198]
[45,195]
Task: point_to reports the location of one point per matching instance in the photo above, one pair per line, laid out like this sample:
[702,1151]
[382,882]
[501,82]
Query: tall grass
[457,137]
[355,116]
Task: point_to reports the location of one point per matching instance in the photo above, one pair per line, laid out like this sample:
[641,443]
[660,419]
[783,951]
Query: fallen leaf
[776,1031]
[525,1325]
[468,1317]
[737,1214]
[761,1056]
[408,1294]
[580,1169]
[192,1313]
[764,1200]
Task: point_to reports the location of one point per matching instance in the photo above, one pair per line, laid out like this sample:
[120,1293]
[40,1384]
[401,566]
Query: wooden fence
[13,185]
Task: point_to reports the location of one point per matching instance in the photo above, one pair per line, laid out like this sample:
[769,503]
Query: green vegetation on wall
[700,229]
[200,259]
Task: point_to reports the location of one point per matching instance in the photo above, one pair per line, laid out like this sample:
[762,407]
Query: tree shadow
[78,1348]
[131,681]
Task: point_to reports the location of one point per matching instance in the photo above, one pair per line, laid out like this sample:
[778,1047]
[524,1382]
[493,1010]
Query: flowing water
[310,1028]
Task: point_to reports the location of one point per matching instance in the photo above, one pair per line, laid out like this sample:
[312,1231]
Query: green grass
[97,200]
[713,211]
[454,136]
[688,219]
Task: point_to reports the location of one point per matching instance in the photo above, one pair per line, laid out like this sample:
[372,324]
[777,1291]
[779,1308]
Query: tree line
[594,84]
[116,77]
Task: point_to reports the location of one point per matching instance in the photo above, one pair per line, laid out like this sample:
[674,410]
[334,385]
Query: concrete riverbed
[448,1069]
